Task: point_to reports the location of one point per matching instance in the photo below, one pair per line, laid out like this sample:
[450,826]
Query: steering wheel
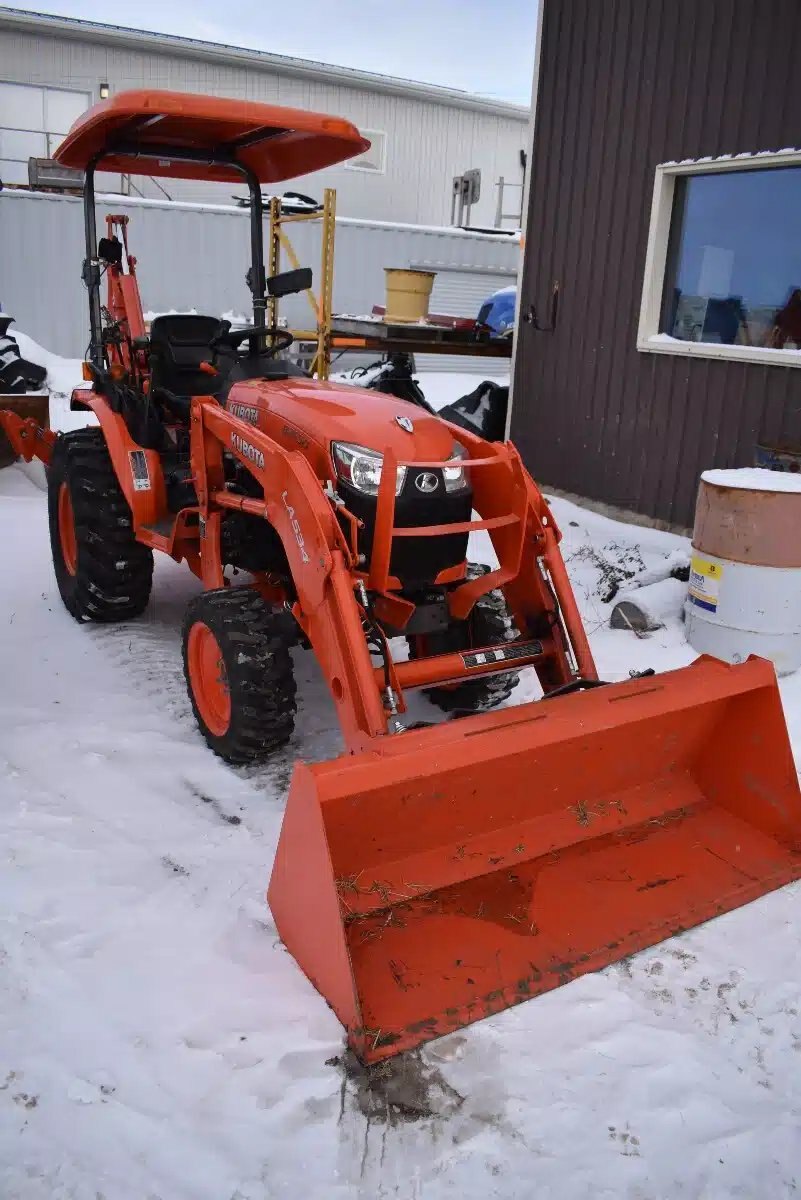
[232,339]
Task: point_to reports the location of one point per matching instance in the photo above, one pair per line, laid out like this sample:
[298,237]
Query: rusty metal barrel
[744,592]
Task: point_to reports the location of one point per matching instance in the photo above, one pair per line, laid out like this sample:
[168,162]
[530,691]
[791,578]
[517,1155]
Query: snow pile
[63,376]
[157,1041]
[441,388]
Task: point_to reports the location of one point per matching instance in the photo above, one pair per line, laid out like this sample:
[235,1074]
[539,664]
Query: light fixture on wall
[104,91]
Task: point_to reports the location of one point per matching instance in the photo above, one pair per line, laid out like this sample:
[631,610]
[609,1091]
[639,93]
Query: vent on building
[374,159]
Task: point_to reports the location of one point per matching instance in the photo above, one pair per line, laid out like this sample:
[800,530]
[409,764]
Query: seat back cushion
[179,343]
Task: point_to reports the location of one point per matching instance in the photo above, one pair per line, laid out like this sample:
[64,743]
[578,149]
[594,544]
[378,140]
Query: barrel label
[705,580]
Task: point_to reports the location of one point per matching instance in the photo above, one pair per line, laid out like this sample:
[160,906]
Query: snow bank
[439,387]
[443,387]
[63,376]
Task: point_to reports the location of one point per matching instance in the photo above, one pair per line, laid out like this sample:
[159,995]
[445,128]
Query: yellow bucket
[408,294]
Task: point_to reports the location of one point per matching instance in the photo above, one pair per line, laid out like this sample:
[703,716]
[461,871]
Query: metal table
[349,333]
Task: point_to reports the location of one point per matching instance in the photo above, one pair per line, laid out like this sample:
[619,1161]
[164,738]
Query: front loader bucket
[463,868]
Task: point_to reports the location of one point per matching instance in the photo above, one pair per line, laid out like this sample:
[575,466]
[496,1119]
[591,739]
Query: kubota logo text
[247,451]
[245,412]
[296,529]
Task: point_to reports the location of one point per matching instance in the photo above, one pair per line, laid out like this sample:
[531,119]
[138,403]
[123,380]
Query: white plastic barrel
[744,593]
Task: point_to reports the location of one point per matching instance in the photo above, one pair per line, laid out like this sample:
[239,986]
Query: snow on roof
[500,235]
[757,479]
[744,158]
[140,39]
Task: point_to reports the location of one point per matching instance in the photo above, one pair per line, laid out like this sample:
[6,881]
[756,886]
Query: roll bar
[256,276]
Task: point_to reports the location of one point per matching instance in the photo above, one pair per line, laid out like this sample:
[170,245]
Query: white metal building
[194,256]
[52,68]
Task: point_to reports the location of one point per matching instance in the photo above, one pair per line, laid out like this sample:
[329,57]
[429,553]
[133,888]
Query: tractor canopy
[206,137]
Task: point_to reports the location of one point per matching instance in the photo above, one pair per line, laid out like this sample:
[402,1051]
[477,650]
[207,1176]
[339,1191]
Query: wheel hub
[66,529]
[209,679]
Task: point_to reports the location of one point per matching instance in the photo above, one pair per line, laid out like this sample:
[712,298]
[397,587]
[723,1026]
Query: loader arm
[320,560]
[331,605]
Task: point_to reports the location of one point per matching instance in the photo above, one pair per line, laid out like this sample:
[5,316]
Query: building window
[374,159]
[33,120]
[723,266]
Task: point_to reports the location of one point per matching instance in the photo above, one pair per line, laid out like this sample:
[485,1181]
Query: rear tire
[103,573]
[239,673]
[489,624]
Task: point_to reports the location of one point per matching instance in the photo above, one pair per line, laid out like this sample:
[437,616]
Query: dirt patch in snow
[397,1090]
[615,563]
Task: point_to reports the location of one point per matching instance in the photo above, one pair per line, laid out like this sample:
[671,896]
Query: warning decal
[705,580]
[139,471]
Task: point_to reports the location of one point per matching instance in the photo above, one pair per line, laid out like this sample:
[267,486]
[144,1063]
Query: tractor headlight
[454,476]
[361,468]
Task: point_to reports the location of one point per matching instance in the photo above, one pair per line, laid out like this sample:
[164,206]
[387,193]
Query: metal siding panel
[581,196]
[602,286]
[532,403]
[623,396]
[546,201]
[196,258]
[652,80]
[645,413]
[461,294]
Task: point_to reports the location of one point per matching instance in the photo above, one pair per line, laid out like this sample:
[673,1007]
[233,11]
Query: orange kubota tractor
[429,876]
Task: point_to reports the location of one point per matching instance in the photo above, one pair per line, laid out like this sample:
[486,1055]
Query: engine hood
[297,411]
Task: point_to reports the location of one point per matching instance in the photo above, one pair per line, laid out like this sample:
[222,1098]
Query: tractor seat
[179,343]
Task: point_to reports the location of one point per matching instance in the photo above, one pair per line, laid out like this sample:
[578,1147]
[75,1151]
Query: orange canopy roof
[136,132]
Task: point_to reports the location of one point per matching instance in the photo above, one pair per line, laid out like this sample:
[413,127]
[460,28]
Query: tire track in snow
[148,651]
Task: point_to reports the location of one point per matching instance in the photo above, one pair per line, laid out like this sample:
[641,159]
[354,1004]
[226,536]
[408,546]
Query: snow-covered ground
[157,1043]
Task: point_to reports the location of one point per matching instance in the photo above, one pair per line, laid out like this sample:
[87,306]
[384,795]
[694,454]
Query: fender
[138,470]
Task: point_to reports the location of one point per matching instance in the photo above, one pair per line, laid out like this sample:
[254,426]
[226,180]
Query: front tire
[489,624]
[239,674]
[103,573]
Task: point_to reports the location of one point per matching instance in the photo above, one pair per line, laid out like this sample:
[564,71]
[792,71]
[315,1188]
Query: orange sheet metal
[464,868]
[276,143]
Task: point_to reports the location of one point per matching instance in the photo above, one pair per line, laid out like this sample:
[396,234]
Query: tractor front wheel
[239,673]
[102,572]
[489,624]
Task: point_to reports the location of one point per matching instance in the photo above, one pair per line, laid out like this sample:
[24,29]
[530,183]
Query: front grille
[416,560]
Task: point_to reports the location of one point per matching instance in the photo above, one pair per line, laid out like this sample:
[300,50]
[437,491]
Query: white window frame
[648,339]
[354,165]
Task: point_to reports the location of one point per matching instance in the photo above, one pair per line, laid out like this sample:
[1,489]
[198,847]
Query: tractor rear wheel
[103,573]
[489,624]
[239,673]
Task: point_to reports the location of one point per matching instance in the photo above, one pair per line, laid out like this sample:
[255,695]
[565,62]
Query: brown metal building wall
[625,85]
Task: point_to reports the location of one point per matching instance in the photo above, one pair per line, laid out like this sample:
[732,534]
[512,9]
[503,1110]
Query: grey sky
[484,46]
